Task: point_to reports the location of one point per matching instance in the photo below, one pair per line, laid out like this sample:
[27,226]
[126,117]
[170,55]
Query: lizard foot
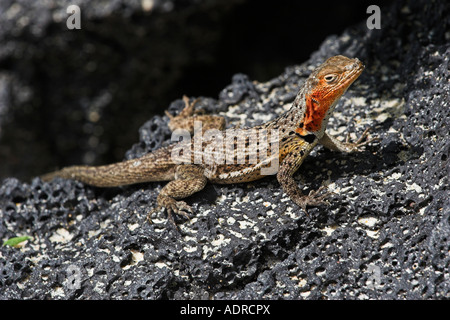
[362,140]
[313,199]
[187,118]
[172,206]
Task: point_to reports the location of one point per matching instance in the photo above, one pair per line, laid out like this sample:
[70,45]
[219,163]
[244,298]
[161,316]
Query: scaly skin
[296,133]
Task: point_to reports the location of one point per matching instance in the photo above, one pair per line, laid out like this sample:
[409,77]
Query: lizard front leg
[332,143]
[289,166]
[189,179]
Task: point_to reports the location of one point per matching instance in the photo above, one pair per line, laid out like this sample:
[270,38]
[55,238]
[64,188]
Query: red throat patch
[314,115]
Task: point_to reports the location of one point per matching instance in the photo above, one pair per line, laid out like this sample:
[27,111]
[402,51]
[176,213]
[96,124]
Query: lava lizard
[294,135]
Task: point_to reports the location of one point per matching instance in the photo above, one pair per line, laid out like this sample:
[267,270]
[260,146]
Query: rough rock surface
[385,234]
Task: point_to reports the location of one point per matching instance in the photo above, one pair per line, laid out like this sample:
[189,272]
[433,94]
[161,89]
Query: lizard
[297,132]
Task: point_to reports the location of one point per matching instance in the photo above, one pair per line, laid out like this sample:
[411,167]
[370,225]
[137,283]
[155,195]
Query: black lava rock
[384,235]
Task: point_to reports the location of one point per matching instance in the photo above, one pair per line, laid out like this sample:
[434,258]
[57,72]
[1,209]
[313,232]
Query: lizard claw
[365,134]
[181,208]
[150,213]
[178,207]
[313,199]
[172,207]
[362,140]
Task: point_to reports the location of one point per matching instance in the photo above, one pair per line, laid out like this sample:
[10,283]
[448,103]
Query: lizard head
[323,88]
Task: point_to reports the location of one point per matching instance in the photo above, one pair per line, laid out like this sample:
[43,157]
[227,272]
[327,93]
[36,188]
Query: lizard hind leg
[187,118]
[189,179]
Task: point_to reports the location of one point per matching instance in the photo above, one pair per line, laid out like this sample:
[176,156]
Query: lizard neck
[303,119]
[314,112]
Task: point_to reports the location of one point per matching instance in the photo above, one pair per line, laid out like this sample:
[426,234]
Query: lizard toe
[313,199]
[177,207]
[182,208]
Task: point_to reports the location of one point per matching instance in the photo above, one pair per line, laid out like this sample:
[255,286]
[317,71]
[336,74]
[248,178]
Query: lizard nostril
[350,67]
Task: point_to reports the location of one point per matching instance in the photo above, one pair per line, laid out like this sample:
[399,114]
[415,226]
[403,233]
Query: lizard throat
[315,114]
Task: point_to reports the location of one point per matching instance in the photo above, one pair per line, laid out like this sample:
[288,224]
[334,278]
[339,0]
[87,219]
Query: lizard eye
[330,78]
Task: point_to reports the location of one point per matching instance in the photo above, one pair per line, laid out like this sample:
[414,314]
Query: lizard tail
[103,176]
[144,169]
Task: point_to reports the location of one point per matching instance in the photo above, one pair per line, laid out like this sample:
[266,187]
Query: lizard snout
[357,64]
